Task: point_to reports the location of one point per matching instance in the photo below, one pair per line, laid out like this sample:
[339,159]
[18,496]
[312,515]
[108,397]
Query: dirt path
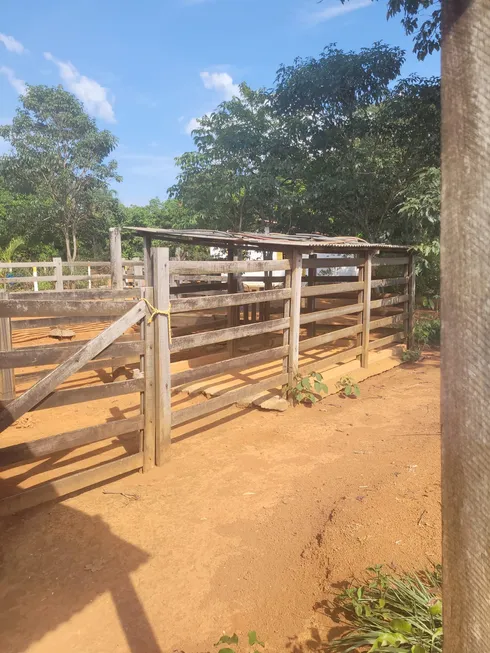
[249,525]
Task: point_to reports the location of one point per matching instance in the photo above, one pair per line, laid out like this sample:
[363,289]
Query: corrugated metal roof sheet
[269,242]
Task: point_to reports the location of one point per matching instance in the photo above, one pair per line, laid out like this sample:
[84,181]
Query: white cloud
[18,84]
[191,125]
[12,44]
[332,11]
[221,82]
[91,93]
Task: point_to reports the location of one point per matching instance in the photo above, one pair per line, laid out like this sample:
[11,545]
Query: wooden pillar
[161,295]
[147,262]
[310,301]
[465,291]
[360,300]
[366,311]
[149,395]
[116,259]
[410,304]
[232,319]
[7,378]
[295,314]
[58,273]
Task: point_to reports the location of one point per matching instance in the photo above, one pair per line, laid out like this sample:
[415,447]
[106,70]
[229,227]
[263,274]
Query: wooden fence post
[117,281]
[161,279]
[150,397]
[58,273]
[294,318]
[147,261]
[232,319]
[7,378]
[366,311]
[310,302]
[410,305]
[286,314]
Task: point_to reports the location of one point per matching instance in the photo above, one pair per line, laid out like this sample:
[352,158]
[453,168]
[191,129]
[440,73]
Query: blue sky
[147,69]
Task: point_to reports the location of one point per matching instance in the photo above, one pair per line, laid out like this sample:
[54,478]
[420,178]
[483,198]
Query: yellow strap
[155,312]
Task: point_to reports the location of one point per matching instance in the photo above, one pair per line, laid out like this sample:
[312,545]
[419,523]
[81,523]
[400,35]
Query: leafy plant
[307,390]
[348,387]
[411,355]
[427,331]
[253,641]
[392,613]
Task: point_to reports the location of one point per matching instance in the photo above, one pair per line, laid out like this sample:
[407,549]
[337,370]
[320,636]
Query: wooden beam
[161,280]
[58,272]
[295,315]
[226,267]
[83,293]
[310,302]
[330,313]
[388,340]
[330,361]
[389,301]
[332,289]
[116,258]
[332,336]
[147,262]
[60,487]
[52,444]
[91,393]
[222,301]
[388,321]
[410,306]
[46,385]
[7,378]
[338,262]
[232,288]
[382,283]
[150,396]
[366,313]
[53,308]
[390,260]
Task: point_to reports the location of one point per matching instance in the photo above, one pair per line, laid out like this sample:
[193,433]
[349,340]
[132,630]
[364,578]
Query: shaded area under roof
[268,242]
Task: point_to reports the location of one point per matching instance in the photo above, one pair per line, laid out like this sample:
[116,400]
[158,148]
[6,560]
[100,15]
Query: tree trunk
[465,234]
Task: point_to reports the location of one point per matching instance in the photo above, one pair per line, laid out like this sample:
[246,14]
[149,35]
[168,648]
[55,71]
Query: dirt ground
[253,522]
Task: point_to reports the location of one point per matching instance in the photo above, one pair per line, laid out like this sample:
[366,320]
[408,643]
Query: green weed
[348,387]
[233,640]
[307,389]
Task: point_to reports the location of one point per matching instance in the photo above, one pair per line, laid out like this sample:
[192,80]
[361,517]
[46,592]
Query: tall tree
[59,157]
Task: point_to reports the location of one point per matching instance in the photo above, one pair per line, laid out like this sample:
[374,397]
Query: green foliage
[427,331]
[411,355]
[57,164]
[253,641]
[348,387]
[307,389]
[392,613]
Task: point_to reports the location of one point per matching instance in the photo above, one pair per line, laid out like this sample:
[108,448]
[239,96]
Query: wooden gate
[113,346]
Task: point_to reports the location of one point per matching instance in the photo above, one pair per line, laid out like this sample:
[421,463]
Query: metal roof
[269,242]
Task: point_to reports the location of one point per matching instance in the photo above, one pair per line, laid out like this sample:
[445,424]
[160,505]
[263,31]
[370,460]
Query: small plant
[392,613]
[348,387]
[253,641]
[307,389]
[411,355]
[427,332]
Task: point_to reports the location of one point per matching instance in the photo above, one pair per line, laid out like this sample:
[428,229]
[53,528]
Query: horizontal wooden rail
[391,260]
[307,318]
[341,262]
[332,336]
[55,308]
[220,367]
[34,356]
[60,487]
[26,451]
[45,322]
[330,361]
[381,283]
[230,267]
[33,264]
[231,397]
[97,364]
[389,301]
[4,280]
[91,393]
[83,293]
[196,288]
[223,335]
[84,277]
[221,301]
[388,321]
[331,289]
[388,340]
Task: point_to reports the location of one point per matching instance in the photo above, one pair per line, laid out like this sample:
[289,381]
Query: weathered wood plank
[184,288]
[82,294]
[34,356]
[231,397]
[26,279]
[328,313]
[340,262]
[389,301]
[58,271]
[221,367]
[7,377]
[150,396]
[91,393]
[332,336]
[210,267]
[62,486]
[45,322]
[390,260]
[388,321]
[388,340]
[310,302]
[20,265]
[99,363]
[410,306]
[366,313]
[223,335]
[55,308]
[116,258]
[325,363]
[161,280]
[381,283]
[221,301]
[331,289]
[78,359]
[295,315]
[27,451]
[83,277]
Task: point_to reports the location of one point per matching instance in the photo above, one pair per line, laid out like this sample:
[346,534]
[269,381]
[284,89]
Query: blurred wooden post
[147,262]
[150,397]
[58,273]
[232,310]
[138,272]
[360,300]
[7,378]
[116,259]
[89,274]
[34,274]
[410,305]
[465,290]
[366,311]
[161,295]
[310,302]
[295,314]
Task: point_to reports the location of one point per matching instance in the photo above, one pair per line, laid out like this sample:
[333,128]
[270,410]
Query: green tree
[58,161]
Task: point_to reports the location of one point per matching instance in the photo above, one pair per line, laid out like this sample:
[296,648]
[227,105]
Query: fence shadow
[55,563]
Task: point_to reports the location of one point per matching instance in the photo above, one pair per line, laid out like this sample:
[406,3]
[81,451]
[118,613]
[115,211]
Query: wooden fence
[296,323]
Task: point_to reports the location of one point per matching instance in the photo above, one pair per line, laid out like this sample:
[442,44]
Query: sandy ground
[250,525]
